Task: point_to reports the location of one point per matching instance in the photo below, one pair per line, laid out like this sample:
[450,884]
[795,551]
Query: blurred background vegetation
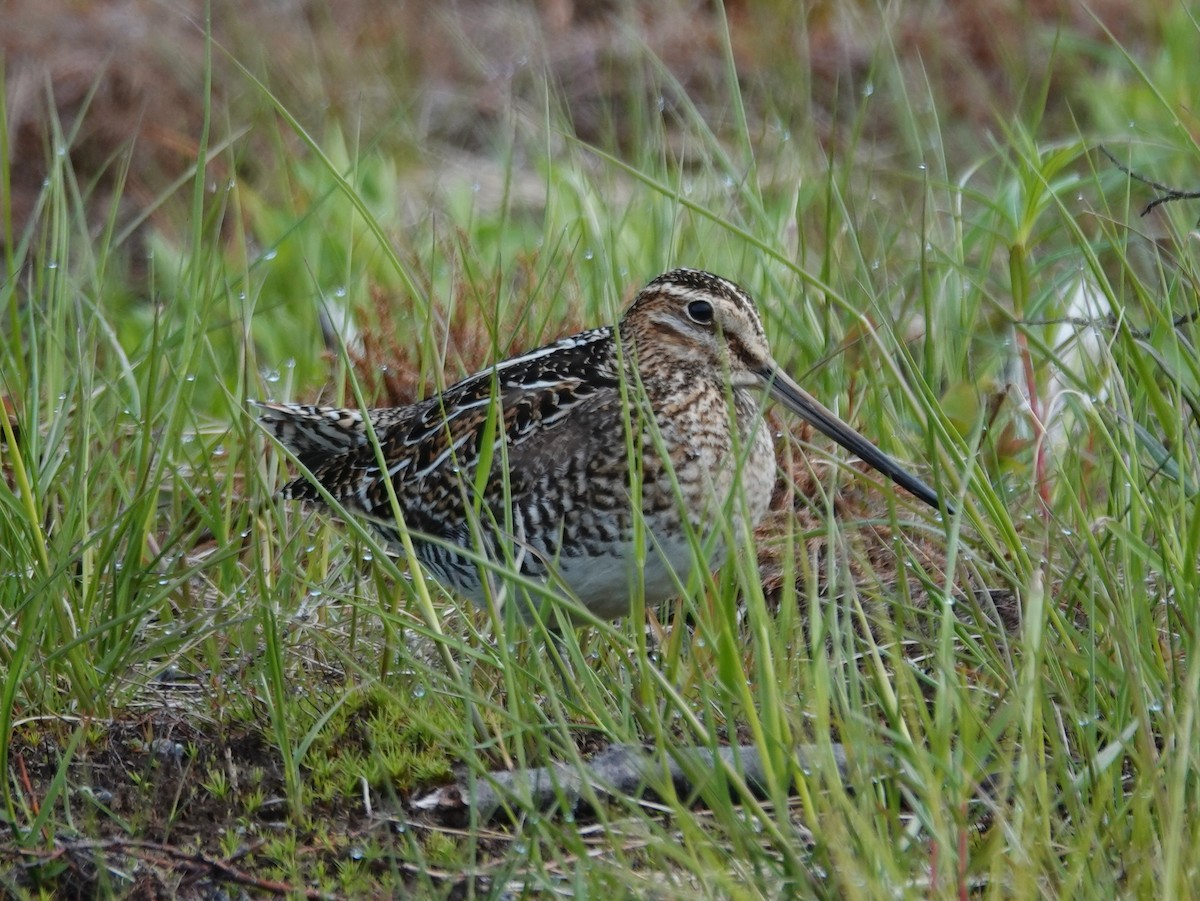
[444,114]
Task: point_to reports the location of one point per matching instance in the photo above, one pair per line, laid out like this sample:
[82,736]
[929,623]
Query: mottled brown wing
[431,447]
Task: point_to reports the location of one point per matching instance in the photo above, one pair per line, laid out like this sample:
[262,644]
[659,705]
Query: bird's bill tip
[783,389]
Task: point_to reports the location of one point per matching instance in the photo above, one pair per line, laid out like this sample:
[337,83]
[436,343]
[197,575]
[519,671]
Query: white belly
[607,584]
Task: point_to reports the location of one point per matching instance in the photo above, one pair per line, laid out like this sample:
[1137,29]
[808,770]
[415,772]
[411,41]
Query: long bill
[787,392]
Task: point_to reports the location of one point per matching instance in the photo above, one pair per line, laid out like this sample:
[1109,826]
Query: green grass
[917,284]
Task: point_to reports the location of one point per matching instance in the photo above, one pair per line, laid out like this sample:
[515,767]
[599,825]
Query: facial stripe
[692,284]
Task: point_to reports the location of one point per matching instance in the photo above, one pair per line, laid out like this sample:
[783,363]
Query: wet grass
[203,687]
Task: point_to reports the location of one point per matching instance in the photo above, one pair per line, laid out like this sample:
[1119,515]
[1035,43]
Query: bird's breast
[721,457]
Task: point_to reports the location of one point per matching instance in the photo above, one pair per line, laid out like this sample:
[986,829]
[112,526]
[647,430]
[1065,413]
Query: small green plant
[216,783]
[253,801]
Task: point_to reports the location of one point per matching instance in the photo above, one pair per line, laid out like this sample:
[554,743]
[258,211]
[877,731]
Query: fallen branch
[621,771]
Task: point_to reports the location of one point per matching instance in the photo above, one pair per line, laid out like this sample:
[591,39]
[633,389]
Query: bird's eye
[700,311]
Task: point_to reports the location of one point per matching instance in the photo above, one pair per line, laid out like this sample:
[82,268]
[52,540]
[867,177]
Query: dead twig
[1168,193]
[171,857]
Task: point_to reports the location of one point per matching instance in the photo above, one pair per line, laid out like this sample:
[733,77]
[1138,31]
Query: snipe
[677,380]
